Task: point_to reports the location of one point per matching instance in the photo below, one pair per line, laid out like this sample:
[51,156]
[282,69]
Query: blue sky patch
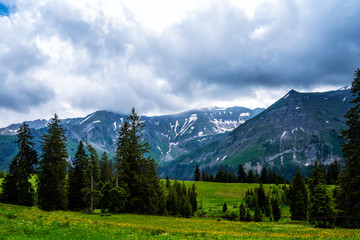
[4,10]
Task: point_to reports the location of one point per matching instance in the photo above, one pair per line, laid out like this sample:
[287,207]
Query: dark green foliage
[264,176]
[349,180]
[261,198]
[106,171]
[52,193]
[276,211]
[197,173]
[118,199]
[138,171]
[9,186]
[224,207]
[16,187]
[242,212]
[77,179]
[181,201]
[225,176]
[92,176]
[241,174]
[333,173]
[251,177]
[192,198]
[167,182]
[321,212]
[298,197]
[258,217]
[248,217]
[2,173]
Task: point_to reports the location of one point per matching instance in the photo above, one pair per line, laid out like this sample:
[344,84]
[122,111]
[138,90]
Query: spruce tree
[333,173]
[264,175]
[137,169]
[52,192]
[298,198]
[276,211]
[349,180]
[93,177]
[321,212]
[242,212]
[77,179]
[241,174]
[192,198]
[16,187]
[251,177]
[261,198]
[197,173]
[106,173]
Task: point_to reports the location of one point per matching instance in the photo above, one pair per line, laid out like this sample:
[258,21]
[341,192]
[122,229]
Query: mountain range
[170,136]
[291,134]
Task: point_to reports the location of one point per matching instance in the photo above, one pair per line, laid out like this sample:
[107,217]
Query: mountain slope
[169,136]
[292,133]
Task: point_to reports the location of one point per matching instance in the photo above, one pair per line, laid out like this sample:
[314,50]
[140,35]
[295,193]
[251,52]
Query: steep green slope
[292,133]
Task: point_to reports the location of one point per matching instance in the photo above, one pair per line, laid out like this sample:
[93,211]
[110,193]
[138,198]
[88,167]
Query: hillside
[170,136]
[292,133]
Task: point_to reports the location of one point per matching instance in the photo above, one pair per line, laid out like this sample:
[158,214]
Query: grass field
[31,223]
[18,222]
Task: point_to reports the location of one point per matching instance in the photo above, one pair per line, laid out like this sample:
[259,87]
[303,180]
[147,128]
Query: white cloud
[73,57]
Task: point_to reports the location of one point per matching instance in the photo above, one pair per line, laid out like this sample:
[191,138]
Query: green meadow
[17,222]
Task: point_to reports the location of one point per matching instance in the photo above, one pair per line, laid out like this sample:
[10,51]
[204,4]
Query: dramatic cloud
[74,57]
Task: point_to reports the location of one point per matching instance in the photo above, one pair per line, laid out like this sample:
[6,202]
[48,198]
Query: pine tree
[242,212]
[77,179]
[349,180]
[93,177]
[333,173]
[192,198]
[321,212]
[9,186]
[197,173]
[241,174]
[298,197]
[16,187]
[52,175]
[251,177]
[276,211]
[264,175]
[106,174]
[137,169]
[261,198]
[258,217]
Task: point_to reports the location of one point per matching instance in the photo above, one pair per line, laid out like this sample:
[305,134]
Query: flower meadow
[18,222]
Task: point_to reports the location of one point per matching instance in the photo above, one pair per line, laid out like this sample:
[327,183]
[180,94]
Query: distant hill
[292,133]
[170,136]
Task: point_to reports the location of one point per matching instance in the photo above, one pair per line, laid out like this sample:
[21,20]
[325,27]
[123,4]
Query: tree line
[130,184]
[225,176]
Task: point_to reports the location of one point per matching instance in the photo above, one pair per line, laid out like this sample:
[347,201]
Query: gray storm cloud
[91,61]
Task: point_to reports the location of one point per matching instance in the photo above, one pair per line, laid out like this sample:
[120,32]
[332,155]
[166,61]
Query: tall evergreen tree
[251,176]
[16,187]
[138,169]
[93,177]
[333,173]
[349,180]
[242,212]
[106,172]
[192,198]
[264,175]
[241,174]
[298,198]
[321,212]
[197,173]
[261,198]
[52,171]
[276,211]
[77,179]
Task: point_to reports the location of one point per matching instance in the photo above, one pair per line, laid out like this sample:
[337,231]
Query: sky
[75,57]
